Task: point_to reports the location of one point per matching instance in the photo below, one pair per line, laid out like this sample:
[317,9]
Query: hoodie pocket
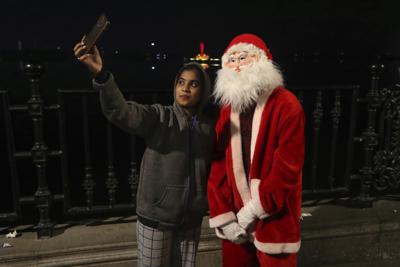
[171,205]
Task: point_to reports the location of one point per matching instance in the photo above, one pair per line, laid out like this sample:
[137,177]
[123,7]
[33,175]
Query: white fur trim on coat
[255,127]
[237,159]
[277,248]
[241,181]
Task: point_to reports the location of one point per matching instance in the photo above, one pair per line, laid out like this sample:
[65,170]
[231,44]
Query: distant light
[116,52]
[153,68]
[152,44]
[58,47]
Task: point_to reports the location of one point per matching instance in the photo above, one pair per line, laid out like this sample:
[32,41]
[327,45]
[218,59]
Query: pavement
[333,234]
[97,242]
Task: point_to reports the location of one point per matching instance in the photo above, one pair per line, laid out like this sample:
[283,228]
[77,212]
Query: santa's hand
[246,215]
[233,232]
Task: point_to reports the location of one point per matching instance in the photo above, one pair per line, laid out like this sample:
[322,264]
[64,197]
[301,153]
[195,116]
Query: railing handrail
[325,87]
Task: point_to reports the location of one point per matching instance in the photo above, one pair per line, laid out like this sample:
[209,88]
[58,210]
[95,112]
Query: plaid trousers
[171,248]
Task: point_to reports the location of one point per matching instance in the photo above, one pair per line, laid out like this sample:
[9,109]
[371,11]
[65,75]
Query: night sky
[358,30]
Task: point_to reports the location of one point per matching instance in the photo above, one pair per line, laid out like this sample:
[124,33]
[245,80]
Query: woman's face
[188,89]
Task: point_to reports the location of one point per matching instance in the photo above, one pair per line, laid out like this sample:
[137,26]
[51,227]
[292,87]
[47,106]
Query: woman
[171,198]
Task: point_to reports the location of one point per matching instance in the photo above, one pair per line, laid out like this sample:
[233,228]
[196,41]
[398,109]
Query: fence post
[370,137]
[43,195]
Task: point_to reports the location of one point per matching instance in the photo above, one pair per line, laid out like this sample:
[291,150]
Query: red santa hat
[247,42]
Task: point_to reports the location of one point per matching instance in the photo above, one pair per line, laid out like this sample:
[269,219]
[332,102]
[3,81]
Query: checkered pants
[166,248]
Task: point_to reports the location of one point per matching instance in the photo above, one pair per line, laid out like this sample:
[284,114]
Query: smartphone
[95,33]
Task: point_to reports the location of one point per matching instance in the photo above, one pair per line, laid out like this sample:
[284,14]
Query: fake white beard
[241,89]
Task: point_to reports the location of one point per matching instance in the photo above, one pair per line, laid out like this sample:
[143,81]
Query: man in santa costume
[254,188]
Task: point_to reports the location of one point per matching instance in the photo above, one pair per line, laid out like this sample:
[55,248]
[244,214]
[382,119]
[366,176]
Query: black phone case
[95,33]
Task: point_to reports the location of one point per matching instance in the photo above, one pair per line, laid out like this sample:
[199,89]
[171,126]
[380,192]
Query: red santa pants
[246,255]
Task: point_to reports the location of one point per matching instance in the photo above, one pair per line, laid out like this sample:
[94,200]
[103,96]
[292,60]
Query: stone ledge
[87,256]
[368,264]
[102,255]
[85,245]
[334,236]
[340,236]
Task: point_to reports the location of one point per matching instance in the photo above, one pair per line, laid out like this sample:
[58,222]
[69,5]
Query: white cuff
[222,219]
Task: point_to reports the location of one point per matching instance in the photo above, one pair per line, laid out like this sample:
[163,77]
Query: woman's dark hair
[191,67]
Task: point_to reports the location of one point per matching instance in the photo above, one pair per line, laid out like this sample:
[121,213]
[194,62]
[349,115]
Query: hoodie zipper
[192,123]
[189,177]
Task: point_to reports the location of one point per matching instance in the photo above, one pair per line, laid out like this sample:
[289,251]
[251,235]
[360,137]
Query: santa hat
[247,42]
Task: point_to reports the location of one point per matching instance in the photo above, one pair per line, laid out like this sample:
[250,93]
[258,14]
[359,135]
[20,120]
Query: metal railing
[97,163]
[331,119]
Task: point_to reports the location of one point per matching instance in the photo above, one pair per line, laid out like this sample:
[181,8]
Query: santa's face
[238,60]
[243,77]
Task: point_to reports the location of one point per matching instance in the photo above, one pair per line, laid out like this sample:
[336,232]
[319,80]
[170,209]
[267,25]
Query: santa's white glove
[233,232]
[247,215]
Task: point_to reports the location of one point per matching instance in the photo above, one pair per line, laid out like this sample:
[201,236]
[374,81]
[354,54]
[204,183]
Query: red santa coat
[275,176]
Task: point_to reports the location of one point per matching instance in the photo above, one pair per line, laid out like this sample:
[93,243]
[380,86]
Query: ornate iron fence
[94,166]
[331,119]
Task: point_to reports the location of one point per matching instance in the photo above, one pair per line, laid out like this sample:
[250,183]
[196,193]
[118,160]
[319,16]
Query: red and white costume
[274,183]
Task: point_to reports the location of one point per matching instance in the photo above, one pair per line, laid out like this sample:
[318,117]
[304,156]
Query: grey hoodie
[175,165]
